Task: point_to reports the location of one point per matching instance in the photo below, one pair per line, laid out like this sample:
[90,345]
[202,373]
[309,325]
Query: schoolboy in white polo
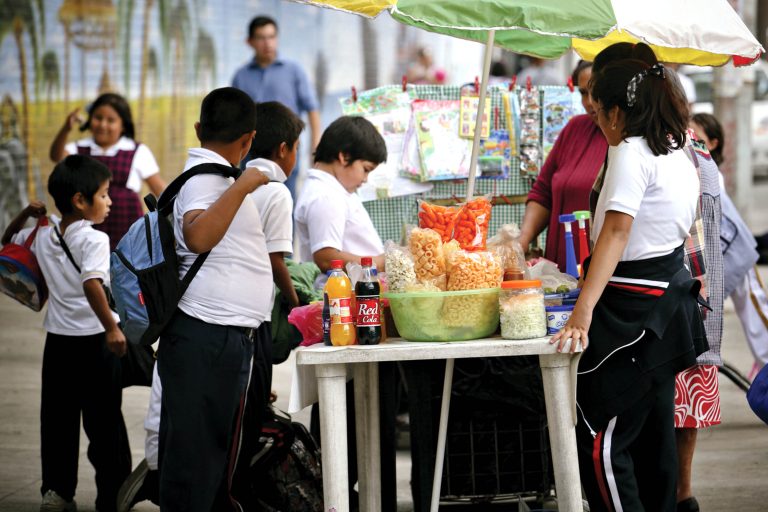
[205,354]
[331,222]
[81,375]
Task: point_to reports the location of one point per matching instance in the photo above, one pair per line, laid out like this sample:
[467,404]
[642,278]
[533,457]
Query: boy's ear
[283,150]
[197,130]
[343,159]
[79,202]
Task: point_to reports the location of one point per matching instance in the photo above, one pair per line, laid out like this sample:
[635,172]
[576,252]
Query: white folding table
[330,364]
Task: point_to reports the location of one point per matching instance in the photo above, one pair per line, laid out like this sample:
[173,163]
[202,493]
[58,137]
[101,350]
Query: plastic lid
[521,283]
[556,309]
[366,261]
[567,217]
[337,264]
[581,214]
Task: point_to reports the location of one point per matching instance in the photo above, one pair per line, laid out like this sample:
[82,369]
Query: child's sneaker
[52,502]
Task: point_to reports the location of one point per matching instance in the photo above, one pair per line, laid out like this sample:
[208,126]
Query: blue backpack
[144,268]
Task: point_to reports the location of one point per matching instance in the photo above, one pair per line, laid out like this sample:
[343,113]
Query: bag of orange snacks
[438,218]
[470,225]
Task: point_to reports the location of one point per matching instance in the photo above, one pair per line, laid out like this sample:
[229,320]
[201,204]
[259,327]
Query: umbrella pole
[480,110]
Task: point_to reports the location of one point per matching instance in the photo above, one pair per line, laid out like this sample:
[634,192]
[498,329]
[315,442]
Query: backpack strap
[168,197]
[66,248]
[41,221]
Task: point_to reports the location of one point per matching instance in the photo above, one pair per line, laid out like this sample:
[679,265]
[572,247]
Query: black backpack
[284,475]
[144,267]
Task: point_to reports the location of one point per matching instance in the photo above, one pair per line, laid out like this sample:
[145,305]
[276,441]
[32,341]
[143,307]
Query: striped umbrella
[701,32]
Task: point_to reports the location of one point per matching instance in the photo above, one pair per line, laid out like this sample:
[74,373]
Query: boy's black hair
[714,130]
[258,22]
[275,124]
[353,136]
[76,173]
[122,108]
[225,115]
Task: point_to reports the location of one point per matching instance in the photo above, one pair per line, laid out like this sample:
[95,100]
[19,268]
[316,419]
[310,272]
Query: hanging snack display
[530,131]
[559,106]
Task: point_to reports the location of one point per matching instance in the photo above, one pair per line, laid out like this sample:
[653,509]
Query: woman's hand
[575,331]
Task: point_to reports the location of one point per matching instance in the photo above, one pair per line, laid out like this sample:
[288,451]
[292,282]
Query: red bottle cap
[366,261]
[337,264]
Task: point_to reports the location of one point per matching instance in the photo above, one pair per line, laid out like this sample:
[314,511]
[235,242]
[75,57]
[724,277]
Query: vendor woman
[638,309]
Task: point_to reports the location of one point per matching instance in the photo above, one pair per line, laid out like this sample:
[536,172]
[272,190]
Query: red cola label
[368,311]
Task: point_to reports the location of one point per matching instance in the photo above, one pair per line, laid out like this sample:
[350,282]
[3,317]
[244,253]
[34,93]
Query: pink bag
[309,321]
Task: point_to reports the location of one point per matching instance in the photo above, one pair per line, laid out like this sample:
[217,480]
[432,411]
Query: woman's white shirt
[659,192]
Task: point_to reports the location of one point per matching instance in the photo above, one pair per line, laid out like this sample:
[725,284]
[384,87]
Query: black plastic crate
[496,456]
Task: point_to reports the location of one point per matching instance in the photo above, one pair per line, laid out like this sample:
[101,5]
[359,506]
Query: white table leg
[560,397]
[368,437]
[442,431]
[331,386]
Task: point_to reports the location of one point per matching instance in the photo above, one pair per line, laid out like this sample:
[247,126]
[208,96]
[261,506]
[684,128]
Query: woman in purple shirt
[566,179]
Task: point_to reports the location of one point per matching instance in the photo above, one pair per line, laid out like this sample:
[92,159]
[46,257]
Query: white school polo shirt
[659,192]
[143,166]
[275,206]
[68,312]
[234,285]
[328,216]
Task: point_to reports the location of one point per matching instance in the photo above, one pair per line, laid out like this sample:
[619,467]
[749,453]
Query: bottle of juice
[338,289]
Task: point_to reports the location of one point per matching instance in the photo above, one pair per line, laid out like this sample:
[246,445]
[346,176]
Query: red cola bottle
[368,305]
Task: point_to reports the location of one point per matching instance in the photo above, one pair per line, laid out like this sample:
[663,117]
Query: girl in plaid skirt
[112,143]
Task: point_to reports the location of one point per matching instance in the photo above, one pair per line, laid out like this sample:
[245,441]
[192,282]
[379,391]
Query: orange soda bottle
[339,292]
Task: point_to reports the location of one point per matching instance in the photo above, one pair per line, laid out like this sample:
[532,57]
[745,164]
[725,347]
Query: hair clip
[656,70]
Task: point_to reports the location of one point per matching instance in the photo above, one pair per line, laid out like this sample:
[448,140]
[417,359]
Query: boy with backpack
[206,350]
[83,345]
[275,147]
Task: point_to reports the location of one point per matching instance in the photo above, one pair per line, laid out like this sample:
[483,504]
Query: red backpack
[20,275]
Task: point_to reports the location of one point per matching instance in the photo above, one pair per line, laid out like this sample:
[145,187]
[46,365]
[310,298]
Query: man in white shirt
[205,352]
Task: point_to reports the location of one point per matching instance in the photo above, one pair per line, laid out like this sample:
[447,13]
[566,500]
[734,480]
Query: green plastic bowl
[445,316]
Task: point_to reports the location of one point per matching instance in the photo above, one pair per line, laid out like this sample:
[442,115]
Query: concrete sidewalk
[730,466]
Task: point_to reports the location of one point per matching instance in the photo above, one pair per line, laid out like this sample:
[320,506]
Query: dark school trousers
[205,370]
[81,376]
[633,460]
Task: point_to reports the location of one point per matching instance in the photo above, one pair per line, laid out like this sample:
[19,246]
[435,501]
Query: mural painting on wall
[163,56]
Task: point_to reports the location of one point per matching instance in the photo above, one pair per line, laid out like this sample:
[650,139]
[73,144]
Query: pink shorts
[697,397]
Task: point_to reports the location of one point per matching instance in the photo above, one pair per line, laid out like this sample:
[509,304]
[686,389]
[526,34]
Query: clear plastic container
[521,310]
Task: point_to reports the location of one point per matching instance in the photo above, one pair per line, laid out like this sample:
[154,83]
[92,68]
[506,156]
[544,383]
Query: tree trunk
[144,66]
[370,54]
[18,33]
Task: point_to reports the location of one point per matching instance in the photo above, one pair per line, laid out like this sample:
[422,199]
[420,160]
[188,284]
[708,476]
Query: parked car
[702,79]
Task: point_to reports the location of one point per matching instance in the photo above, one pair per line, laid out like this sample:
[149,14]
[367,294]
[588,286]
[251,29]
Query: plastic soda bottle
[338,289]
[368,305]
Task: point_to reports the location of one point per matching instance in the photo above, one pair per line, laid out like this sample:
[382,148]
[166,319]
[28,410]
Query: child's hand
[35,209]
[116,341]
[74,119]
[575,332]
[378,261]
[254,178]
